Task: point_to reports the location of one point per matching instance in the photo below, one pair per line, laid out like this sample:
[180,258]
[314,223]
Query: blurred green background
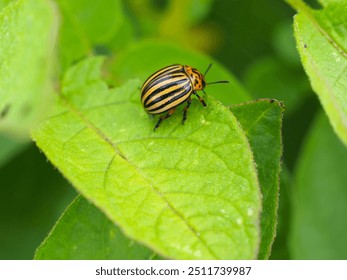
[254,40]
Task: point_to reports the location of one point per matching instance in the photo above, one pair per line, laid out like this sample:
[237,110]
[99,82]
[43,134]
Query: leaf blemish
[5,111]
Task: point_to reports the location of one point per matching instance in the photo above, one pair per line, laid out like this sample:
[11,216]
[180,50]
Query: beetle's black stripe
[170,92]
[170,100]
[161,79]
[164,88]
[170,105]
[176,68]
[164,83]
[166,71]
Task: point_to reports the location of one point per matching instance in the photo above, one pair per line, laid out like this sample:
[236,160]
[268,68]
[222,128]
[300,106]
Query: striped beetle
[169,87]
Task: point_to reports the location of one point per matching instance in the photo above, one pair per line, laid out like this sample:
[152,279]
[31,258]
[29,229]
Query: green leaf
[87,24]
[262,121]
[321,37]
[95,237]
[187,192]
[27,35]
[84,232]
[155,55]
[319,222]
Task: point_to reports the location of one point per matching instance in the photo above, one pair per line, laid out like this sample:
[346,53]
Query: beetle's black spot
[5,111]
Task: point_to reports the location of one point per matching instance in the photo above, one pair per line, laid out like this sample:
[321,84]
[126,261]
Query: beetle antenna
[208,68]
[218,82]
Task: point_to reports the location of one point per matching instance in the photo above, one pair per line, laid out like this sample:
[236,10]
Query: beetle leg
[189,101]
[171,111]
[200,99]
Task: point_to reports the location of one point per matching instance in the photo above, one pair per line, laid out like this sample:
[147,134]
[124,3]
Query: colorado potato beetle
[169,87]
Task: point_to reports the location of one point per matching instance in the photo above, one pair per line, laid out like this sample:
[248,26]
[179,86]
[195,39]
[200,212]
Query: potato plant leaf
[186,191]
[321,37]
[26,59]
[262,121]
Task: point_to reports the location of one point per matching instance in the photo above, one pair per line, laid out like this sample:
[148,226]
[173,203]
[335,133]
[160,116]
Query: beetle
[169,87]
